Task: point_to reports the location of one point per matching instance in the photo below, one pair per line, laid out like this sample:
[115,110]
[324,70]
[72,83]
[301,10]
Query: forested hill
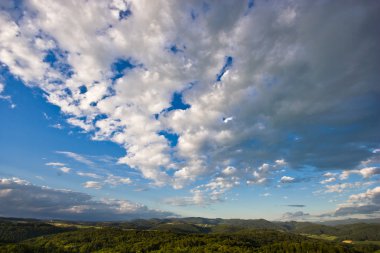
[186,235]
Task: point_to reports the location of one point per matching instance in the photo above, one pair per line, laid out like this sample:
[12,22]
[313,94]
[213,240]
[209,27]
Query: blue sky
[234,110]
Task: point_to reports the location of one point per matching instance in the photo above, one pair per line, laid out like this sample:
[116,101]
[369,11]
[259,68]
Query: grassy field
[322,237]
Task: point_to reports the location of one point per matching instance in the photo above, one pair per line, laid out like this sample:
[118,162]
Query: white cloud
[363,203]
[77,157]
[65,169]
[55,164]
[23,199]
[226,120]
[116,180]
[287,179]
[263,174]
[110,180]
[88,174]
[338,188]
[5,97]
[207,194]
[365,172]
[329,174]
[58,126]
[276,42]
[229,170]
[93,184]
[328,180]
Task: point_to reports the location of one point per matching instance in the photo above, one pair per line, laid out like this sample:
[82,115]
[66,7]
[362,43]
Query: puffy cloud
[329,174]
[365,172]
[328,180]
[65,169]
[23,199]
[263,174]
[207,194]
[363,203]
[229,170]
[287,179]
[299,87]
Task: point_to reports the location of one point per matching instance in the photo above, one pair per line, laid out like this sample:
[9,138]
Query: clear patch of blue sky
[227,64]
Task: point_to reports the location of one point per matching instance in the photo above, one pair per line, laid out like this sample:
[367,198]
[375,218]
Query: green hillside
[117,240]
[186,235]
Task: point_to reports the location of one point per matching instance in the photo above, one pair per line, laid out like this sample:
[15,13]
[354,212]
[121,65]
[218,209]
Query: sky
[114,110]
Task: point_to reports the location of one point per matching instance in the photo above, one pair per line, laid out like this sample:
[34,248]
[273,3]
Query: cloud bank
[20,198]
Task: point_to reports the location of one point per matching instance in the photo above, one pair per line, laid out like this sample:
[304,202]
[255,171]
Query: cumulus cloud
[288,85]
[207,194]
[329,174]
[365,172]
[264,173]
[328,180]
[287,179]
[23,199]
[363,203]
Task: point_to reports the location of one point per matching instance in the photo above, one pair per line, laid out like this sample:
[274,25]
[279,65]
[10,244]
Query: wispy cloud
[77,157]
[299,215]
[6,97]
[55,164]
[88,174]
[93,184]
[296,205]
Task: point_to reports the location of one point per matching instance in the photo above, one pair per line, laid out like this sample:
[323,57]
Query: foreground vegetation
[168,236]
